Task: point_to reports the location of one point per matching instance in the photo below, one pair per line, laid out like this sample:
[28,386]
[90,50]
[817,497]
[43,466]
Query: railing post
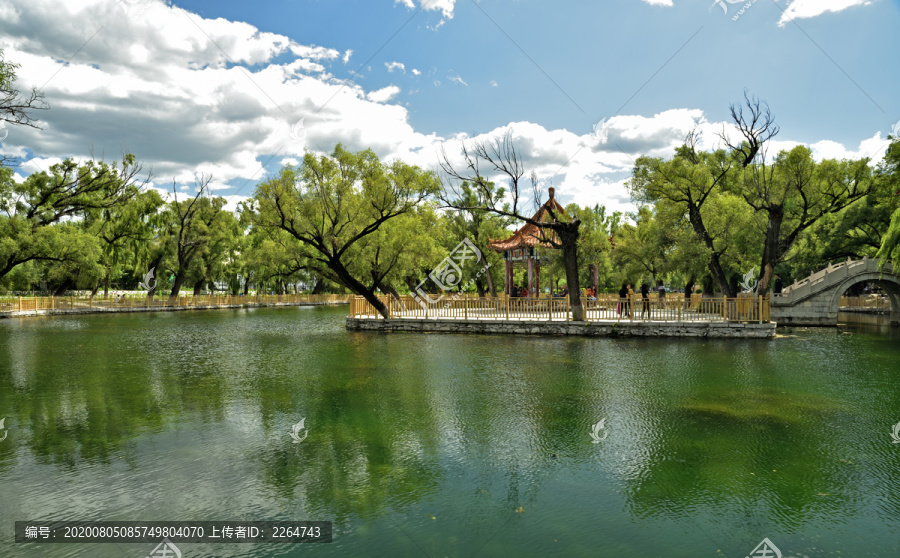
[20,304]
[466,308]
[506,298]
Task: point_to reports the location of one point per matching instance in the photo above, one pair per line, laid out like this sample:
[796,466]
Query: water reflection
[451,444]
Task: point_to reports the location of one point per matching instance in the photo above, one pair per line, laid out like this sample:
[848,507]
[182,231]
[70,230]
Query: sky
[236,90]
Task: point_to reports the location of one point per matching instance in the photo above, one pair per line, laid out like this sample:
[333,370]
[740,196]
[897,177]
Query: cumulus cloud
[383,95]
[443,6]
[799,9]
[659,2]
[159,86]
[391,66]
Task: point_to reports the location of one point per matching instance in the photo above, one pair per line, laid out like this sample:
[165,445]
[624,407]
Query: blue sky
[159,79]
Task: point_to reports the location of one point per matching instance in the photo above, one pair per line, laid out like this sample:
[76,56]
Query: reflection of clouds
[357,468]
[73,408]
[21,353]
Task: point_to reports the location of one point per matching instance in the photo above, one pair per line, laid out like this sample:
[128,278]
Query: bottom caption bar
[174,531]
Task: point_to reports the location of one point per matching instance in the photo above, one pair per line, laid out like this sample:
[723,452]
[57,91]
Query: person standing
[661,291]
[645,300]
[623,299]
[778,284]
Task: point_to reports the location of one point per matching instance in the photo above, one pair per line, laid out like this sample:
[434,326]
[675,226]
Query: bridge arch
[889,283]
[816,299]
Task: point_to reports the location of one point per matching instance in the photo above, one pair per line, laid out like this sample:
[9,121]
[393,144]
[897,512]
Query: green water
[441,445]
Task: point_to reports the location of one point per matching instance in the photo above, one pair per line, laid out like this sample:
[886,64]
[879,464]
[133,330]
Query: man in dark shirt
[778,284]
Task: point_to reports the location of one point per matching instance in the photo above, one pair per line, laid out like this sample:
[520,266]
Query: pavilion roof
[530,235]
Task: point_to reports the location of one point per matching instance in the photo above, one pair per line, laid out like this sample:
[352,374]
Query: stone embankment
[585,329]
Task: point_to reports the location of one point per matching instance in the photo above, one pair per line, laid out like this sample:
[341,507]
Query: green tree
[333,202]
[889,176]
[191,229]
[120,228]
[557,228]
[689,180]
[30,210]
[794,193]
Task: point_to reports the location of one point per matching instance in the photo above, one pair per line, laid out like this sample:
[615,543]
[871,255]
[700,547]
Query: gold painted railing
[605,307]
[25,304]
[876,302]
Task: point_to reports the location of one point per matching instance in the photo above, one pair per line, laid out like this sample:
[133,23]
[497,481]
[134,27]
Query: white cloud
[159,87]
[799,9]
[443,6]
[391,66]
[493,83]
[347,54]
[457,79]
[383,95]
[659,2]
[416,72]
[172,99]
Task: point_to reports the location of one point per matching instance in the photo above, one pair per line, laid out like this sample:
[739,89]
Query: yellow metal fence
[25,304]
[604,307]
[873,301]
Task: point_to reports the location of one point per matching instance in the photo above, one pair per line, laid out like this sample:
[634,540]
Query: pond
[443,445]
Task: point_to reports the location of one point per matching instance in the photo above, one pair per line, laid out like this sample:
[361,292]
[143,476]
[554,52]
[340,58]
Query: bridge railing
[602,308]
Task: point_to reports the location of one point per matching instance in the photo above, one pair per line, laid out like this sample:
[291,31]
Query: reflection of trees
[403,423]
[83,395]
[745,450]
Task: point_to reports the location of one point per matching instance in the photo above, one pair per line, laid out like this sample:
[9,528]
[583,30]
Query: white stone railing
[826,278]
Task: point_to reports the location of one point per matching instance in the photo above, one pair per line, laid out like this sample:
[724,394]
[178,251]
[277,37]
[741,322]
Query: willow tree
[31,210]
[499,156]
[332,203]
[794,193]
[889,174]
[690,181]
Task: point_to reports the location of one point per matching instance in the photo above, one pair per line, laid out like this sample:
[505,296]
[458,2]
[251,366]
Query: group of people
[520,292]
[626,293]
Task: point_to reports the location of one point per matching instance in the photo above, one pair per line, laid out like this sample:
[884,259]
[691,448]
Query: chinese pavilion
[526,245]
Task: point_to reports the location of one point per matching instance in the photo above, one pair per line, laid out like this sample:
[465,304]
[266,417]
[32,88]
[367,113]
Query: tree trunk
[490,283]
[388,289]
[718,275]
[198,286]
[770,250]
[106,285]
[715,265]
[355,286]
[568,236]
[176,284]
[479,286]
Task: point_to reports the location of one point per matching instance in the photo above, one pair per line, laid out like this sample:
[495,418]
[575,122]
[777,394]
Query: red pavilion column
[537,276]
[531,276]
[508,277]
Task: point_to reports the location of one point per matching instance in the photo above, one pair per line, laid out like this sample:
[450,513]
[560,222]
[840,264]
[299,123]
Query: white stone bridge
[814,301]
